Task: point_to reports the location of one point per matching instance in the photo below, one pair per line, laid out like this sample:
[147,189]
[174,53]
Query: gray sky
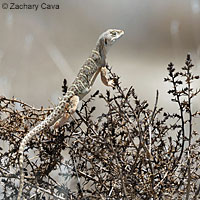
[40,48]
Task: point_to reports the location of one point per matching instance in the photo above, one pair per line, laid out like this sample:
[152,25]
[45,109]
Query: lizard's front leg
[105,79]
[70,109]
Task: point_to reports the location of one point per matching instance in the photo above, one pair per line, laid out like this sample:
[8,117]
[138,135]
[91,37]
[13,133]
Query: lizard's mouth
[119,33]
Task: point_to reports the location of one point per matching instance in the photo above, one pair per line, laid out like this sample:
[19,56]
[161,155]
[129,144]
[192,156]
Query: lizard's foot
[105,80]
[70,109]
[62,121]
[111,83]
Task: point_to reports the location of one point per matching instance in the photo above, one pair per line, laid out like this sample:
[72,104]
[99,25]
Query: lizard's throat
[103,52]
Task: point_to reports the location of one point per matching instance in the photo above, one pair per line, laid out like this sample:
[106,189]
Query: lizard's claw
[111,83]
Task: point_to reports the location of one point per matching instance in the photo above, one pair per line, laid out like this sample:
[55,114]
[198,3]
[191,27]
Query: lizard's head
[107,39]
[110,36]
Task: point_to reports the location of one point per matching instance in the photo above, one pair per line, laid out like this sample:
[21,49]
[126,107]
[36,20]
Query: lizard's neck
[100,47]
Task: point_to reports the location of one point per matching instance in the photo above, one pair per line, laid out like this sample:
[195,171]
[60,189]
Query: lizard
[81,86]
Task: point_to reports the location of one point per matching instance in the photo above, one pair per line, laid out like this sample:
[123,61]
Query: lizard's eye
[113,33]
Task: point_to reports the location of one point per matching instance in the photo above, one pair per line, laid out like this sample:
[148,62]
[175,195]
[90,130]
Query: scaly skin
[79,88]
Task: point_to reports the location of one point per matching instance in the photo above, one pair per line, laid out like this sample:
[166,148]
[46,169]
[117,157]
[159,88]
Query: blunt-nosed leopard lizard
[81,86]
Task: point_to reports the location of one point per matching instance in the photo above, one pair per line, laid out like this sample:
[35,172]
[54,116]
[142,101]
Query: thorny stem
[151,120]
[148,156]
[78,179]
[10,175]
[120,172]
[190,129]
[155,107]
[182,117]
[25,104]
[197,193]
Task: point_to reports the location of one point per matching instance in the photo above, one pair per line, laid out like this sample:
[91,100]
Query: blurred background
[38,49]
